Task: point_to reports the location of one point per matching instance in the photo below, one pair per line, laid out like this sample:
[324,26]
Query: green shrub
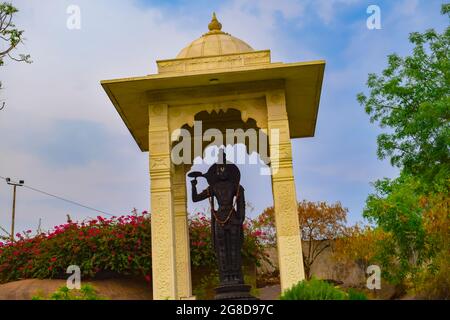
[87,292]
[353,294]
[313,289]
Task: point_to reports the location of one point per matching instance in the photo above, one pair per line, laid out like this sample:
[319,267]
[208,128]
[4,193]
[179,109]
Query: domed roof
[215,42]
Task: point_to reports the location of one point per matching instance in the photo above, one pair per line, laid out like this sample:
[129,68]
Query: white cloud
[326,9]
[116,39]
[407,7]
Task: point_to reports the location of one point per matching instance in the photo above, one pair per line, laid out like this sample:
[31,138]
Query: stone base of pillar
[188,298]
[234,292]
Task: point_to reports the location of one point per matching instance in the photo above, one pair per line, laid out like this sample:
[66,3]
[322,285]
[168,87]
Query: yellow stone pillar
[162,209]
[290,256]
[183,258]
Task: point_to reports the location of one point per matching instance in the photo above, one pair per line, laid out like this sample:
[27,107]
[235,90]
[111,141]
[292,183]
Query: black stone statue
[226,224]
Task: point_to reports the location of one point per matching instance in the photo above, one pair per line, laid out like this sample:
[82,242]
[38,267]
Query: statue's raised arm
[196,197]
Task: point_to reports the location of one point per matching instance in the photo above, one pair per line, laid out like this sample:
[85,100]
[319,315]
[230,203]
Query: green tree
[10,36]
[395,207]
[411,99]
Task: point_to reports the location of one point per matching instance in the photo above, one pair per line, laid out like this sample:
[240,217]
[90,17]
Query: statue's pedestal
[234,292]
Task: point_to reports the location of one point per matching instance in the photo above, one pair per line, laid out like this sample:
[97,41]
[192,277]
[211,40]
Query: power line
[64,199]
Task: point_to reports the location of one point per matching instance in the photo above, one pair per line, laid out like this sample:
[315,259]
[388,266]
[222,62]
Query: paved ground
[270,293]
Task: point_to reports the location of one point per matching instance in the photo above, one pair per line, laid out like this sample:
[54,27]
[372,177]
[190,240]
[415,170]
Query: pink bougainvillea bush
[119,244]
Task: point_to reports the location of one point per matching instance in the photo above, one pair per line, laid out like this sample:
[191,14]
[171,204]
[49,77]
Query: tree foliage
[319,223]
[358,245]
[266,223]
[10,35]
[396,209]
[411,100]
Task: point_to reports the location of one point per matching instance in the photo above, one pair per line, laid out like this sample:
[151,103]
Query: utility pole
[15,185]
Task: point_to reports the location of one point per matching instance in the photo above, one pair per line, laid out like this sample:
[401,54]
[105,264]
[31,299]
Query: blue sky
[61,134]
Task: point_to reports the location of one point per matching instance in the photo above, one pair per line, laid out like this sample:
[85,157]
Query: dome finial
[214,25]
